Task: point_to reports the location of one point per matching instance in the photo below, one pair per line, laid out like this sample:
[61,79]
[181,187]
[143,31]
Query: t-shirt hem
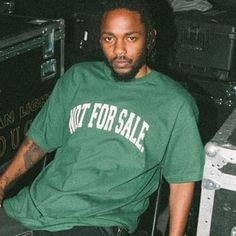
[183,180]
[8,209]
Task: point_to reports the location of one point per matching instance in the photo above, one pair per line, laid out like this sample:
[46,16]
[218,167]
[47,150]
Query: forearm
[180,202]
[28,154]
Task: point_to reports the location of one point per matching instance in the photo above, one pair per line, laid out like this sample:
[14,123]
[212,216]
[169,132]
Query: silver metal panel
[219,153]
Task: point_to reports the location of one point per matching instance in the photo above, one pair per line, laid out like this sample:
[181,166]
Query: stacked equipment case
[31,60]
[205,44]
[204,62]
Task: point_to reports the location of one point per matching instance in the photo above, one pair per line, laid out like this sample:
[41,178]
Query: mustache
[121,58]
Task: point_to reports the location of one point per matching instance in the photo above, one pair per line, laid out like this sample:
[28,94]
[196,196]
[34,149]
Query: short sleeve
[184,158]
[47,129]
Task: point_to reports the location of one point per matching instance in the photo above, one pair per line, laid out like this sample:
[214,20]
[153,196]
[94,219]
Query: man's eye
[132,38]
[108,39]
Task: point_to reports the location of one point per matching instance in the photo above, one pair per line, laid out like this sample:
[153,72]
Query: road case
[217,215]
[205,44]
[31,60]
[85,43]
[215,99]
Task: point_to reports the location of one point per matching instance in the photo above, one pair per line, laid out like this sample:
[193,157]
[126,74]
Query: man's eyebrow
[128,33]
[133,32]
[105,32]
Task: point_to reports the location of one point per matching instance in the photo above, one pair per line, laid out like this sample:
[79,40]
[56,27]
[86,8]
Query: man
[114,126]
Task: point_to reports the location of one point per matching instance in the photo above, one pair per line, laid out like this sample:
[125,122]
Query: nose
[119,48]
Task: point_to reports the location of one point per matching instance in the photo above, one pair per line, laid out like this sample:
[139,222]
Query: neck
[144,70]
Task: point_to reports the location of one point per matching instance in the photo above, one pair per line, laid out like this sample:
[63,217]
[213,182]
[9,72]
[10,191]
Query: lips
[121,63]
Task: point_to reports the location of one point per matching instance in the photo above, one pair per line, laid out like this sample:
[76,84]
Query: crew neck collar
[142,79]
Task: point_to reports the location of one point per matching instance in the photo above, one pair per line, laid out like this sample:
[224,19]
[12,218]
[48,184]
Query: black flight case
[205,44]
[31,60]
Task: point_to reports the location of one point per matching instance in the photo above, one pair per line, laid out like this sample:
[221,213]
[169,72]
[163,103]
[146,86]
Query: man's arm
[28,154]
[180,201]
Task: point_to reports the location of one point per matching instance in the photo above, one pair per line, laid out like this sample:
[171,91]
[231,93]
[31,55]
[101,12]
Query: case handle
[48,69]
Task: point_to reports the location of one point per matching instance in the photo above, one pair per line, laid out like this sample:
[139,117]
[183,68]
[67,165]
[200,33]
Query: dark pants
[85,231]
[10,227]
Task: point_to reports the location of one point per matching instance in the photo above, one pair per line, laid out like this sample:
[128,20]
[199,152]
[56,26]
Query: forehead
[121,20]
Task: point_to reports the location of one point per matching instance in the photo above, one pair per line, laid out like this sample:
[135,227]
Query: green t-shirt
[111,138]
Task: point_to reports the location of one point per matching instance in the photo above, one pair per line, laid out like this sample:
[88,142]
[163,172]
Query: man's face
[123,43]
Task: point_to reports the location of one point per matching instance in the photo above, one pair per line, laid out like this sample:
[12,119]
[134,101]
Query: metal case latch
[48,69]
[48,48]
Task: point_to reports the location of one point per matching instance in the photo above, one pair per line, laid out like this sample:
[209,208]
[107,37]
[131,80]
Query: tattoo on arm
[18,173]
[32,155]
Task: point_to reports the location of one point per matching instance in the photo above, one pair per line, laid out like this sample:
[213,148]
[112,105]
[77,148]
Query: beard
[127,76]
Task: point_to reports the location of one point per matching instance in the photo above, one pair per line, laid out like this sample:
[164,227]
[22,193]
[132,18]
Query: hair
[146,15]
